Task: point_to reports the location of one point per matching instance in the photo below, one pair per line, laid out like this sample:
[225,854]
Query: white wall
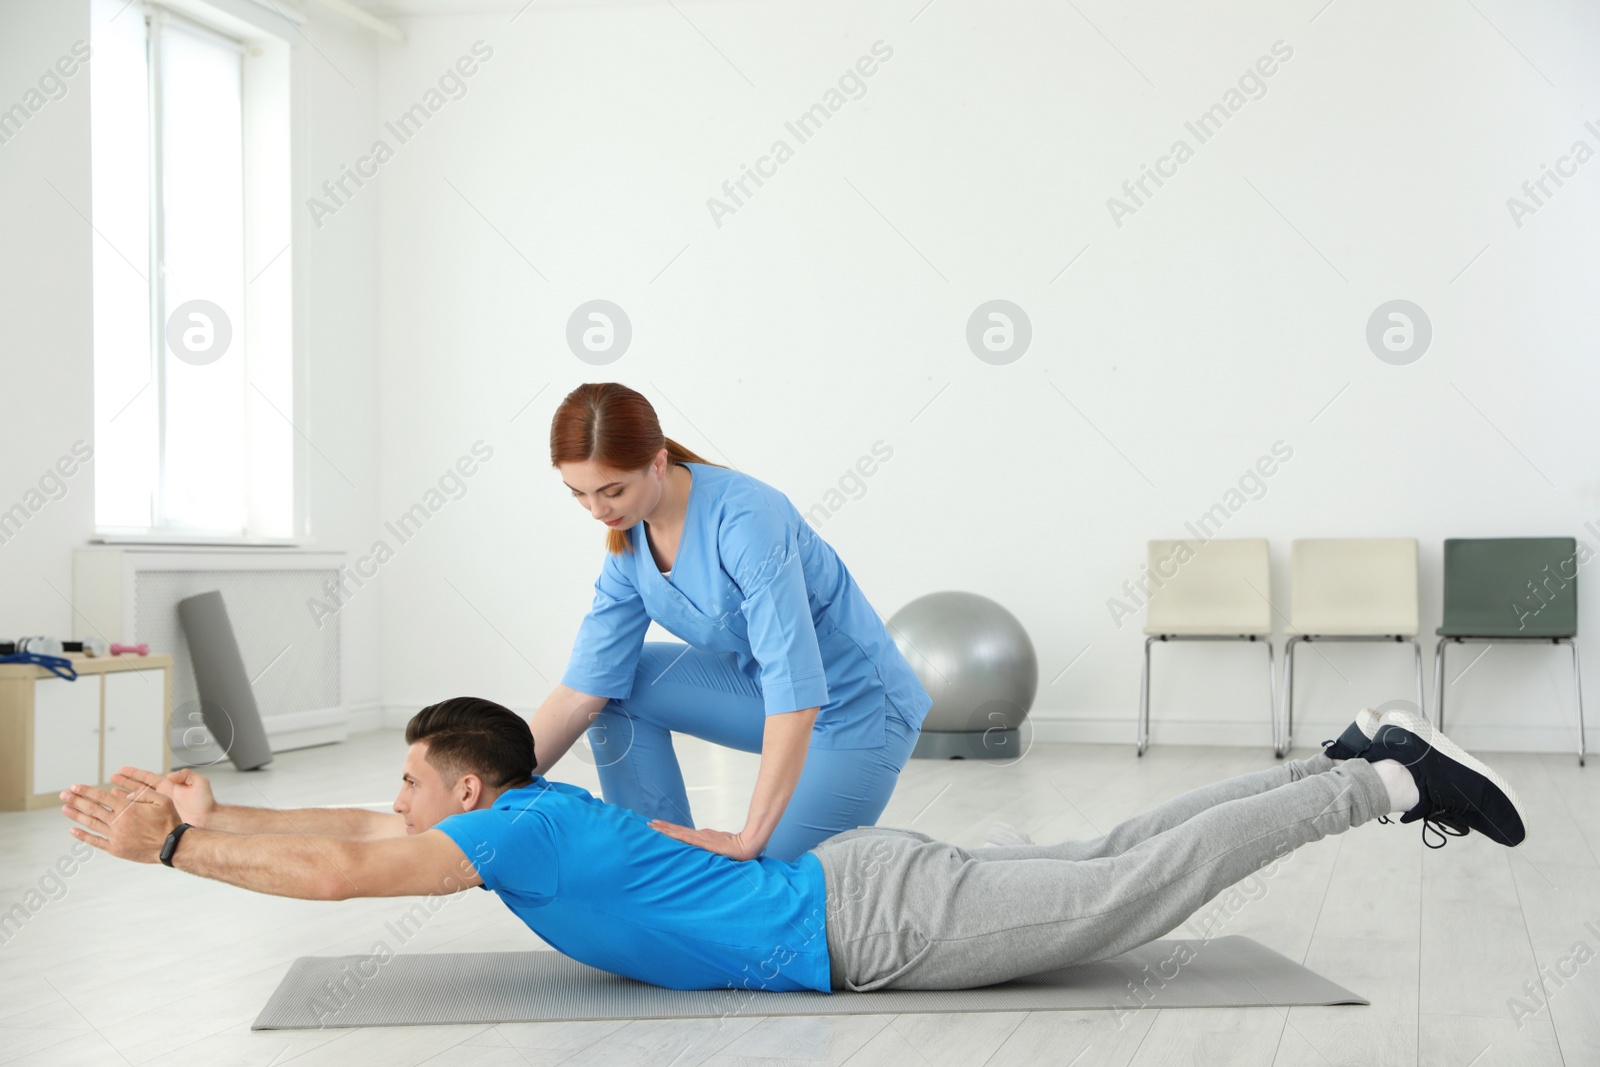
[46,298]
[829,312]
[335,81]
[45,305]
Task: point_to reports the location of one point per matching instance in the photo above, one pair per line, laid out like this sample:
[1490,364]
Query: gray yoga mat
[545,986]
[227,702]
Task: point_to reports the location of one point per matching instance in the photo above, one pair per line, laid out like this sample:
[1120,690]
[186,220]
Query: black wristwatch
[171,844]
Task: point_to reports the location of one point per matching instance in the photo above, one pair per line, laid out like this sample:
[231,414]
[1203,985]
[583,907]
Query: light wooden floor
[142,965]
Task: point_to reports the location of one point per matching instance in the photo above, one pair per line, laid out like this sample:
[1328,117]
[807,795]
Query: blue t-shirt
[598,884]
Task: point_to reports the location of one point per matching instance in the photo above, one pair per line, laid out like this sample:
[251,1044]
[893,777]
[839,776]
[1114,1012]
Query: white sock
[1403,795]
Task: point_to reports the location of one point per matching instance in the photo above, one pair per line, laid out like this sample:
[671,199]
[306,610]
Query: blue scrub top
[598,884]
[752,577]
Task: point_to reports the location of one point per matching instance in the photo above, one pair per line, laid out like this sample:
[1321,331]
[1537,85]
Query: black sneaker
[1459,793]
[1353,742]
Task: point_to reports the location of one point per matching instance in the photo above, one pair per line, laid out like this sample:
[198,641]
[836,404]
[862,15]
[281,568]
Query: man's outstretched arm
[307,866]
[190,792]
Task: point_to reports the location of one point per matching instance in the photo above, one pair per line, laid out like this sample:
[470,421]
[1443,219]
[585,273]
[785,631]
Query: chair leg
[1287,737]
[1577,688]
[1272,690]
[1438,684]
[1422,702]
[1144,700]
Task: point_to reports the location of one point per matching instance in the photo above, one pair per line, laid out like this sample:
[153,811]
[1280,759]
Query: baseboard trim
[1121,730]
[366,717]
[321,735]
[1473,736]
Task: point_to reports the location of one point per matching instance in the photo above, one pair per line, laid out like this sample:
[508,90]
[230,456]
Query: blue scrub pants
[682,689]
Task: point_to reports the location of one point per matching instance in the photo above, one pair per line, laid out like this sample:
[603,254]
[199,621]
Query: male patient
[872,908]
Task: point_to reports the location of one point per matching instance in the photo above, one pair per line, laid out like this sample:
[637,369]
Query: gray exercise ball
[976,661]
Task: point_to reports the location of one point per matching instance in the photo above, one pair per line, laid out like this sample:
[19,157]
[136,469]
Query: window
[193,360]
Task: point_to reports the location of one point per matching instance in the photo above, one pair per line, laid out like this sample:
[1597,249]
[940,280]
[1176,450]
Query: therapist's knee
[656,658]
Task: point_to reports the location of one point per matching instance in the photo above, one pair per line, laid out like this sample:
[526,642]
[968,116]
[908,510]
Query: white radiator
[131,595]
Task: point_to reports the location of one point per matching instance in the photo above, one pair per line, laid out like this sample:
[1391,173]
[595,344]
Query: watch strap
[171,844]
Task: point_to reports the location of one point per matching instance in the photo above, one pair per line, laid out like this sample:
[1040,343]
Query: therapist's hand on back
[783,754]
[735,846]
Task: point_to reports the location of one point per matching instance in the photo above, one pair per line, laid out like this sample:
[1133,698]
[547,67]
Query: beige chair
[1217,590]
[1360,589]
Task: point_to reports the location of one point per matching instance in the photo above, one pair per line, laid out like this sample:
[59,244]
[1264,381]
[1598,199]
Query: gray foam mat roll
[227,702]
[387,989]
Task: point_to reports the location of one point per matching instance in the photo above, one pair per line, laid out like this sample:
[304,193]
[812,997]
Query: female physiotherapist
[784,655]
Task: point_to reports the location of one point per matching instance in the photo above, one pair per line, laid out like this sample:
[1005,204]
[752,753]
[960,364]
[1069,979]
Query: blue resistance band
[59,666]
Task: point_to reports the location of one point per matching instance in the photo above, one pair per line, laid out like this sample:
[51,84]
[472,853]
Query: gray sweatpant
[908,912]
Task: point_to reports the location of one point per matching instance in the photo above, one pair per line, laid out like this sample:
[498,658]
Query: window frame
[270,120]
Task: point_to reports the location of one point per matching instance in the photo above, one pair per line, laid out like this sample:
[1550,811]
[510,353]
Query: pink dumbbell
[138,650]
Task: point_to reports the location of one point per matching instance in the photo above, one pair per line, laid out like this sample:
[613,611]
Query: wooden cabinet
[54,732]
[135,720]
[66,732]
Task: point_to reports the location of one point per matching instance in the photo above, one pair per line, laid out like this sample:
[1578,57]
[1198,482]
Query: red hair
[617,428]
